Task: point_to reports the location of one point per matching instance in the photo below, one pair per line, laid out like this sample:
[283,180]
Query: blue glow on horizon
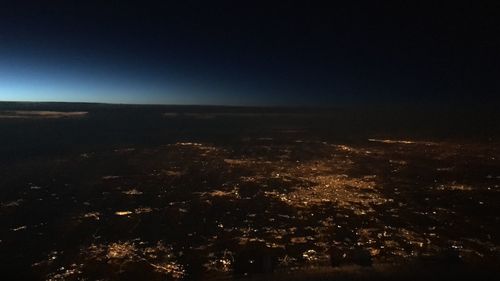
[29,82]
[71,80]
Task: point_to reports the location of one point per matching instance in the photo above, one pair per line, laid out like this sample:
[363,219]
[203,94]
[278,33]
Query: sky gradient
[235,54]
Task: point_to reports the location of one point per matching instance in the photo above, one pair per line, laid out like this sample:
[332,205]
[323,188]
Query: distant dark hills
[108,126]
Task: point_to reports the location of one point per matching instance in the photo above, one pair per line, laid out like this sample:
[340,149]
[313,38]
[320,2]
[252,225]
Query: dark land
[130,192]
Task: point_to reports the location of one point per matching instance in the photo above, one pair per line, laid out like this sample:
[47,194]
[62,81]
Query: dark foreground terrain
[104,192]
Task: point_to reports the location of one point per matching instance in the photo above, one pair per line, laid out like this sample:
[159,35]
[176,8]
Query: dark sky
[240,52]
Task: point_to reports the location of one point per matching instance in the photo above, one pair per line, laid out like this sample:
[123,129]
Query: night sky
[242,53]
